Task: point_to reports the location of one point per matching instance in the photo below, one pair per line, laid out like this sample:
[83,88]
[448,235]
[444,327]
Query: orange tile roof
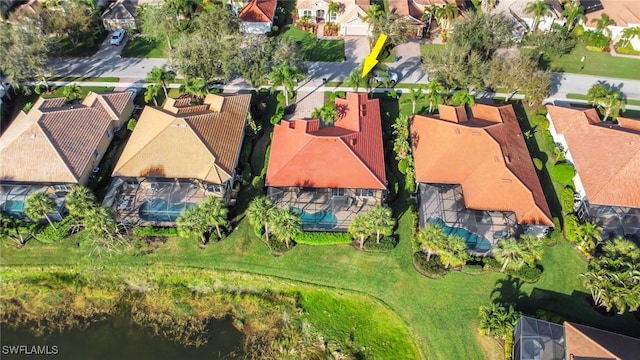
[623,12]
[406,8]
[486,155]
[55,141]
[258,11]
[348,155]
[183,141]
[584,342]
[607,157]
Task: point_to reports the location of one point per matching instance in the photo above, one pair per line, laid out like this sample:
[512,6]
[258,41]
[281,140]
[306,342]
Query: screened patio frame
[535,339]
[13,196]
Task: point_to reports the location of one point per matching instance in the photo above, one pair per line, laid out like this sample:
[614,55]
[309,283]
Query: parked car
[381,75]
[117,37]
[133,91]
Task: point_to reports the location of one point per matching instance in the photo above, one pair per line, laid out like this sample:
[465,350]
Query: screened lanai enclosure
[616,221]
[535,339]
[444,204]
[13,196]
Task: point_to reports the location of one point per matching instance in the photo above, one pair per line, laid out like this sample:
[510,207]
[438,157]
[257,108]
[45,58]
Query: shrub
[275,29]
[131,124]
[542,110]
[387,243]
[508,345]
[277,115]
[549,316]
[323,238]
[578,30]
[276,246]
[40,88]
[491,264]
[529,274]
[155,231]
[537,119]
[263,172]
[433,268]
[544,124]
[567,200]
[594,48]
[257,182]
[338,94]
[595,39]
[538,163]
[563,173]
[62,229]
[571,228]
[27,107]
[472,269]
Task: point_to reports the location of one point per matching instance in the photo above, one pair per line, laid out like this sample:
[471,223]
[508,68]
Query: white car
[380,76]
[117,37]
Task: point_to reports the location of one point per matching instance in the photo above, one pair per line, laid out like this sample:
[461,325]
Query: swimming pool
[325,220]
[160,210]
[474,242]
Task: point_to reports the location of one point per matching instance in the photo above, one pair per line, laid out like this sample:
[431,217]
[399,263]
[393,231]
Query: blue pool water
[474,242]
[325,219]
[12,206]
[160,210]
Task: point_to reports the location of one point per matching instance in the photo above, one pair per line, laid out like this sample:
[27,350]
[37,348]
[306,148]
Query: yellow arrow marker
[372,59]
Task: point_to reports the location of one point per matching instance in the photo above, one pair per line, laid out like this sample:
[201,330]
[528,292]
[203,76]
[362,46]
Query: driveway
[108,51]
[356,48]
[408,64]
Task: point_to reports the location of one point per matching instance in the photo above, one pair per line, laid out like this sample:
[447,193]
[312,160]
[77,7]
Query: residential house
[539,339]
[177,155]
[516,8]
[56,145]
[329,174]
[626,13]
[475,175]
[120,15]
[350,18]
[607,161]
[256,16]
[412,12]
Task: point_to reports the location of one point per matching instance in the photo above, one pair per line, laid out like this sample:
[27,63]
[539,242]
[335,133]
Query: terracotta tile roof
[406,8]
[623,12]
[120,10]
[584,342]
[486,155]
[348,155]
[174,142]
[55,142]
[607,157]
[258,11]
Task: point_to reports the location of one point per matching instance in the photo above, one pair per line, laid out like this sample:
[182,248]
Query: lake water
[119,338]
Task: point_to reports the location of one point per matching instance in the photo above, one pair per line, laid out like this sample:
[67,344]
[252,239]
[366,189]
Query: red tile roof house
[56,145]
[607,161]
[177,155]
[256,16]
[329,174]
[476,174]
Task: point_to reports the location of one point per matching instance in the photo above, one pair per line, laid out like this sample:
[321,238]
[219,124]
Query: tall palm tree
[589,234]
[259,214]
[629,33]
[415,96]
[613,104]
[603,23]
[374,15]
[215,213]
[151,93]
[510,253]
[39,205]
[191,223]
[454,252]
[287,76]
[463,98]
[382,221]
[431,239]
[79,201]
[449,13]
[573,14]
[161,76]
[333,8]
[434,94]
[538,9]
[286,225]
[360,228]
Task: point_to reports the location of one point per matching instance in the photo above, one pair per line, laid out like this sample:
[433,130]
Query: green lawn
[141,47]
[86,47]
[595,63]
[85,79]
[430,48]
[314,49]
[584,97]
[57,91]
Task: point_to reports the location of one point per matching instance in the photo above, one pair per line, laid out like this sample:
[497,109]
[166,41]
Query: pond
[119,338]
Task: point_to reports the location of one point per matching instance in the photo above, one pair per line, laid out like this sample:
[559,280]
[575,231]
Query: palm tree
[449,13]
[333,8]
[374,16]
[72,92]
[539,9]
[215,213]
[79,201]
[462,98]
[10,228]
[259,214]
[454,252]
[573,14]
[613,104]
[360,228]
[382,221]
[286,75]
[102,227]
[327,113]
[630,33]
[532,249]
[191,223]
[286,225]
[510,253]
[355,79]
[151,93]
[195,87]
[603,23]
[161,76]
[416,95]
[39,205]
[589,234]
[434,94]
[431,239]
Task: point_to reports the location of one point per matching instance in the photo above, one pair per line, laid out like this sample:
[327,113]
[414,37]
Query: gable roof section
[407,9]
[486,155]
[606,156]
[185,141]
[258,11]
[587,342]
[348,155]
[55,141]
[623,12]
[121,10]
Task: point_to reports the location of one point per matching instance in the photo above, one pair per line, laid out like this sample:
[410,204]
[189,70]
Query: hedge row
[155,231]
[323,238]
[62,229]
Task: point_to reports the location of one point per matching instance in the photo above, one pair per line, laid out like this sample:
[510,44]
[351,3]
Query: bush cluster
[155,231]
[567,200]
[387,243]
[529,274]
[323,238]
[563,173]
[595,39]
[433,268]
[62,229]
[571,228]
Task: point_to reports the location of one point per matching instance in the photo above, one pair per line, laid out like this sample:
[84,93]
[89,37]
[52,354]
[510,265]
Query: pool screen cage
[535,339]
[446,202]
[13,197]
